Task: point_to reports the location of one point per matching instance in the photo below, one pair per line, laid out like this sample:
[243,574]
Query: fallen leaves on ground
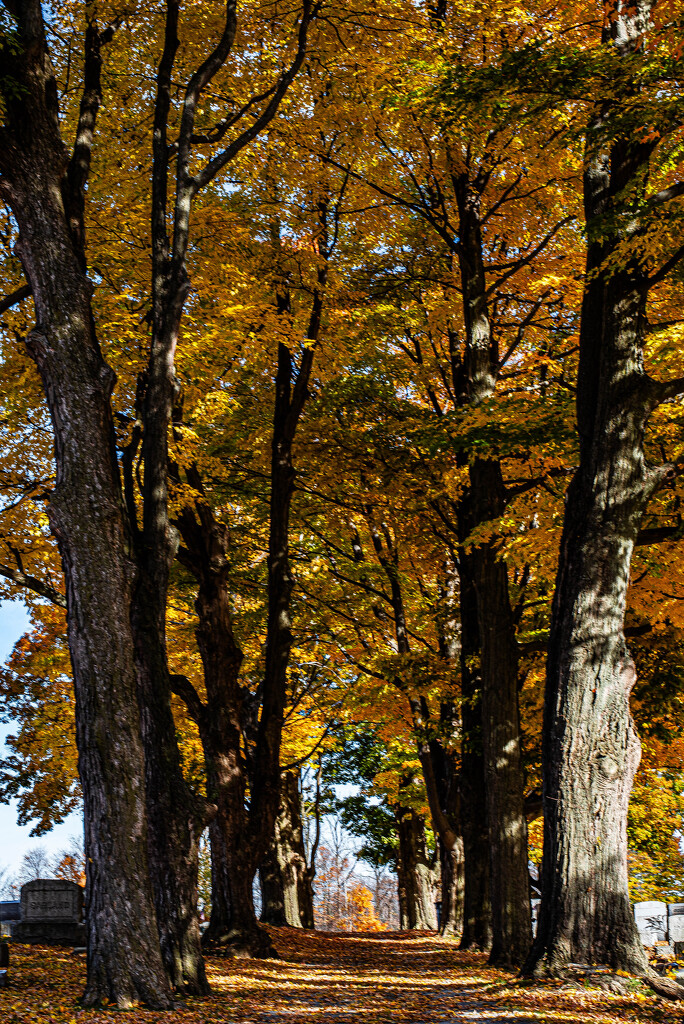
[334,979]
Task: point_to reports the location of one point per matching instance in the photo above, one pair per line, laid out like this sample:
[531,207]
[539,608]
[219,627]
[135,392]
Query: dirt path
[332,979]
[408,979]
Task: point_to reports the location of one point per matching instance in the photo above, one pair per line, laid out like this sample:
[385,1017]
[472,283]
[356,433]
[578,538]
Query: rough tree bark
[45,190]
[475,379]
[220,721]
[590,747]
[509,875]
[273,891]
[176,816]
[291,393]
[286,893]
[477,917]
[415,876]
[450,841]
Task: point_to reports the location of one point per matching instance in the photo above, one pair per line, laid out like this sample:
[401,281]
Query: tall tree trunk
[285,869]
[305,897]
[176,816]
[292,854]
[233,921]
[591,749]
[87,516]
[220,721]
[509,876]
[477,915]
[241,838]
[451,869]
[414,873]
[291,393]
[437,763]
[475,380]
[451,854]
[273,890]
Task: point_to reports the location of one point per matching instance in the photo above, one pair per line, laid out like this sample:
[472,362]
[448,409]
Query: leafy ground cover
[334,979]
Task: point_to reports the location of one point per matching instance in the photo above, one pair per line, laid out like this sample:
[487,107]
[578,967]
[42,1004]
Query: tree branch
[530,256]
[183,688]
[79,164]
[212,168]
[666,194]
[15,297]
[664,270]
[659,392]
[36,586]
[658,534]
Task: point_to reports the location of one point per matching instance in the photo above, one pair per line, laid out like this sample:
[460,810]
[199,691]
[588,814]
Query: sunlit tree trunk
[590,748]
[415,876]
[284,874]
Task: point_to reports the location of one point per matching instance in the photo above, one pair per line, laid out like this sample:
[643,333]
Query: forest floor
[335,979]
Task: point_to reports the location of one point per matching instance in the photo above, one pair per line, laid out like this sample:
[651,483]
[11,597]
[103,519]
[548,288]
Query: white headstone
[651,921]
[675,922]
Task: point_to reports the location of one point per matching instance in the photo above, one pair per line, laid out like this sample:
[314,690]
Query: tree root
[242,945]
[665,987]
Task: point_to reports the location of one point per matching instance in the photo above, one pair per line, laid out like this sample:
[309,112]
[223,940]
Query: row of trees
[346,899]
[329,310]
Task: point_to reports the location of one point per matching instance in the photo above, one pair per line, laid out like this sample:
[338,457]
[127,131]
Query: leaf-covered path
[333,979]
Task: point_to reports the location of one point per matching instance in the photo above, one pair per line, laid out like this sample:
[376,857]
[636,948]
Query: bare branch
[32,583]
[659,392]
[79,164]
[15,297]
[519,264]
[217,163]
[659,534]
[666,194]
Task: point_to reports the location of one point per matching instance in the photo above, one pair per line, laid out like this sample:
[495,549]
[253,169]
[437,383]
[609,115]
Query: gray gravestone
[51,913]
[651,921]
[675,922]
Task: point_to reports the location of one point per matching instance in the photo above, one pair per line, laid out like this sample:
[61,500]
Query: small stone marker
[651,921]
[51,913]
